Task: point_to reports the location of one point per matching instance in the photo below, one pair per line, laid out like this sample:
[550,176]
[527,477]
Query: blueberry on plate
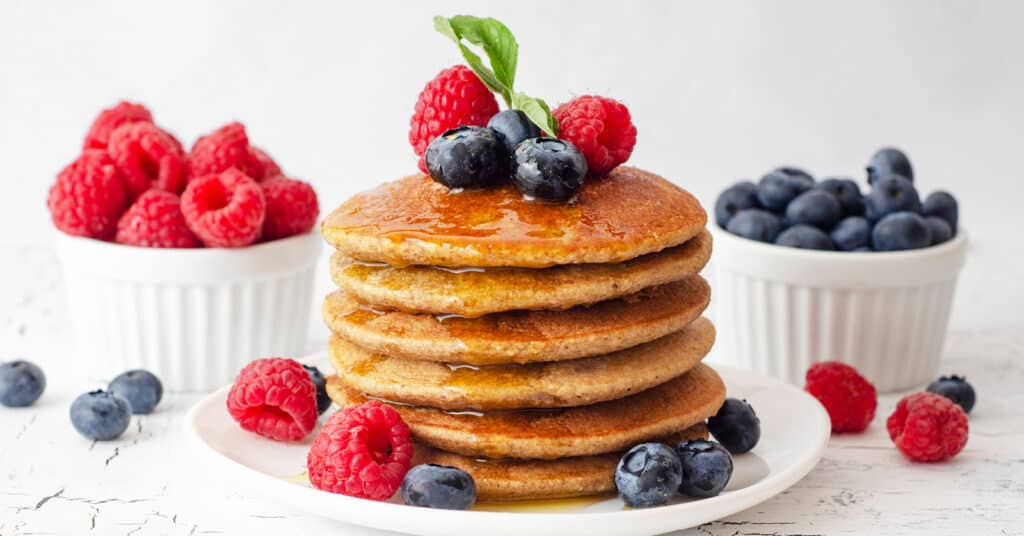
[648,475]
[956,389]
[100,415]
[847,192]
[942,205]
[901,231]
[891,194]
[141,388]
[889,161]
[21,384]
[755,224]
[851,233]
[549,169]
[778,188]
[736,426]
[804,236]
[322,400]
[438,486]
[707,467]
[940,230]
[815,207]
[740,196]
[468,157]
[514,127]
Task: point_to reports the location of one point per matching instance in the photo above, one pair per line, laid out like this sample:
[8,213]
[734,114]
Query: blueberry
[515,127]
[740,196]
[549,169]
[804,236]
[889,161]
[100,415]
[140,388]
[940,230]
[848,194]
[755,224]
[707,468]
[956,389]
[891,194]
[777,189]
[796,173]
[900,231]
[322,400]
[21,384]
[438,486]
[648,475]
[851,233]
[815,207]
[736,426]
[468,157]
[942,205]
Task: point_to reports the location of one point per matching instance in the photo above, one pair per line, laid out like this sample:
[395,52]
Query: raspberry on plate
[155,220]
[848,397]
[454,98]
[927,427]
[362,451]
[88,197]
[147,156]
[275,398]
[600,128]
[121,114]
[224,210]
[225,148]
[292,207]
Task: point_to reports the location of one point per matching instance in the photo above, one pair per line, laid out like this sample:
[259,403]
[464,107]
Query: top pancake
[415,220]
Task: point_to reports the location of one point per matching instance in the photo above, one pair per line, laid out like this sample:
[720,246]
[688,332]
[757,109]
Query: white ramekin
[192,316]
[778,310]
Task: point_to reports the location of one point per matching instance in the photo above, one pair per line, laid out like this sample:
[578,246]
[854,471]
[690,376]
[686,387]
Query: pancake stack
[527,343]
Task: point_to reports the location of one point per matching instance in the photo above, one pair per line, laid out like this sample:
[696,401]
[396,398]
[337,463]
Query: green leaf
[498,44]
[538,112]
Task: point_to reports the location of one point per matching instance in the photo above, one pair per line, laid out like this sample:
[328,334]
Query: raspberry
[155,221]
[292,207]
[454,98]
[147,156]
[927,427]
[362,451]
[228,147]
[849,399]
[261,163]
[123,113]
[225,210]
[600,128]
[88,197]
[275,398]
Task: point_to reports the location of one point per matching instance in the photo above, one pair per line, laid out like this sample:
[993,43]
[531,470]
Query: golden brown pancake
[517,480]
[478,291]
[560,433]
[560,384]
[521,336]
[628,213]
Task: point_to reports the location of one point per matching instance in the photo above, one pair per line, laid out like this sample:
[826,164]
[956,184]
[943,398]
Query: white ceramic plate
[795,430]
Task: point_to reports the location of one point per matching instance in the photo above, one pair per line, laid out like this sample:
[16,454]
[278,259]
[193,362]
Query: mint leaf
[496,41]
[538,112]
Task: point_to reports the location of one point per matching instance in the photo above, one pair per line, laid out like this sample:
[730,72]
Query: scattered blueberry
[438,486]
[140,388]
[549,169]
[737,197]
[100,415]
[21,384]
[755,224]
[707,468]
[468,157]
[900,231]
[940,230]
[648,475]
[887,162]
[515,127]
[736,426]
[943,205]
[805,237]
[778,188]
[851,233]
[322,400]
[848,194]
[815,207]
[956,389]
[891,194]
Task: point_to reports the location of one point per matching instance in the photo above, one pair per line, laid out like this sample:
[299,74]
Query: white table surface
[52,481]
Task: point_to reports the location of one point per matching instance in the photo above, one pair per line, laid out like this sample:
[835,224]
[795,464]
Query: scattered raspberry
[600,128]
[123,113]
[275,398]
[261,163]
[292,207]
[147,156]
[362,451]
[927,427]
[455,97]
[155,221]
[228,147]
[849,399]
[224,209]
[88,197]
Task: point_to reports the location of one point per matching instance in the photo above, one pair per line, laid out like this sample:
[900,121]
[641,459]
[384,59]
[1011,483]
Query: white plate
[795,430]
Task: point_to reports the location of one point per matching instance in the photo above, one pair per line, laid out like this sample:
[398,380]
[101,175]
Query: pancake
[517,480]
[478,291]
[621,216]
[521,336]
[539,385]
[560,433]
